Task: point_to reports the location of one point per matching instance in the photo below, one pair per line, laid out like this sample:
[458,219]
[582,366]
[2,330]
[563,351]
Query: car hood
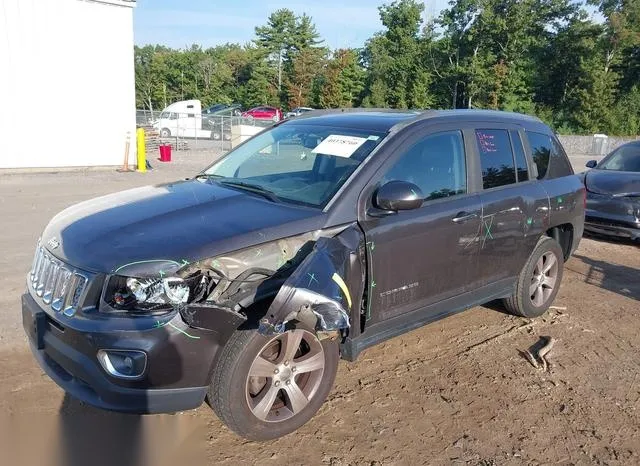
[183,221]
[612,182]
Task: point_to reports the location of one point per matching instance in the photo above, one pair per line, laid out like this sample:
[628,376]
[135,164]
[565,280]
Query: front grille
[56,283]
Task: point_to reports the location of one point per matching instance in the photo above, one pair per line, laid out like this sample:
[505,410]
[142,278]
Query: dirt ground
[458,391]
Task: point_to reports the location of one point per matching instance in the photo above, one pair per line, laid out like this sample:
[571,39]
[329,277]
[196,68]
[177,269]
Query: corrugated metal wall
[67,84]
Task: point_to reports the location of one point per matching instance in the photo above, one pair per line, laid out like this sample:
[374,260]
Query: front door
[420,257]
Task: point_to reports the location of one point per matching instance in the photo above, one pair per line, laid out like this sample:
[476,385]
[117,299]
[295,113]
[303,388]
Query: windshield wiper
[631,194]
[205,176]
[254,188]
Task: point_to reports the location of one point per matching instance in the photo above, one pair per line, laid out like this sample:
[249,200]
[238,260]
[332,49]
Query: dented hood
[183,221]
[612,182]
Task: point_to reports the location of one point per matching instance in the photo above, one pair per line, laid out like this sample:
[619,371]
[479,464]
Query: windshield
[625,158]
[303,164]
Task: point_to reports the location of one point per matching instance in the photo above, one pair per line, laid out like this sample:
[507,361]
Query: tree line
[542,57]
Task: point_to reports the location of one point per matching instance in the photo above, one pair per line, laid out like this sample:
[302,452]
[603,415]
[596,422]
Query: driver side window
[436,164]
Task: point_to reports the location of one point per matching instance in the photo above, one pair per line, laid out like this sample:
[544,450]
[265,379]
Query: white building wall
[67,82]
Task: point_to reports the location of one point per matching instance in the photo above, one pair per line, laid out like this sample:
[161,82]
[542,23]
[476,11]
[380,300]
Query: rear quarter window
[549,156]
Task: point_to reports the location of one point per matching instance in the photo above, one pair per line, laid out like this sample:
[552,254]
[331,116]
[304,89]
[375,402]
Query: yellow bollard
[142,157]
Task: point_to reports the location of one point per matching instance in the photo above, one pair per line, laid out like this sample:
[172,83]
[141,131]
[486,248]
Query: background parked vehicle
[214,108]
[221,121]
[613,193]
[235,109]
[298,111]
[264,113]
[184,119]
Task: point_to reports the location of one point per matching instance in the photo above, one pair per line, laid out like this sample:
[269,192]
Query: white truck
[183,119]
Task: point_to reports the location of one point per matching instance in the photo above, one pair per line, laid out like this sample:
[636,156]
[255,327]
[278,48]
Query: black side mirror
[398,195]
[592,164]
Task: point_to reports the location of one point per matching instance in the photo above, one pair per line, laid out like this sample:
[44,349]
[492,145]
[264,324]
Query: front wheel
[165,133]
[267,387]
[539,281]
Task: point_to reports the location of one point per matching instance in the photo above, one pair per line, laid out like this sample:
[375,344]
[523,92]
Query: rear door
[423,256]
[515,208]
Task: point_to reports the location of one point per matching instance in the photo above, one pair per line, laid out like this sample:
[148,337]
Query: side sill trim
[387,329]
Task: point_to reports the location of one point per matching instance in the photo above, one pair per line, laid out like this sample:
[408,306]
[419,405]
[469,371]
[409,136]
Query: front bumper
[613,226]
[175,378]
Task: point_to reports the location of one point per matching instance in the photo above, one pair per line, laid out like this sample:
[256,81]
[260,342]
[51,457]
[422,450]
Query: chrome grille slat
[42,277]
[56,283]
[50,283]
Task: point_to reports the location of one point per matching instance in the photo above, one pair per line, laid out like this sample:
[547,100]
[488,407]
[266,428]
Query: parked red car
[264,113]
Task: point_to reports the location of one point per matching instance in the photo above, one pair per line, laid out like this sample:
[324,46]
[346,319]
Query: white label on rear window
[340,146]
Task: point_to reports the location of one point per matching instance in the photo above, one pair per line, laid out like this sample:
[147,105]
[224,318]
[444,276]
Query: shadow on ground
[90,436]
[616,278]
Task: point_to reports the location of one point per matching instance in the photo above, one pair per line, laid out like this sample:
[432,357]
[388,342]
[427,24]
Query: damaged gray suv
[310,242]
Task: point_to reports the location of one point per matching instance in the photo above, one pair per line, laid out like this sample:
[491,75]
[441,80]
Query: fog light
[124,364]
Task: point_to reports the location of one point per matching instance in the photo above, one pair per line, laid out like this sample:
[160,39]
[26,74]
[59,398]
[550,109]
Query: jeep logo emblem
[53,243]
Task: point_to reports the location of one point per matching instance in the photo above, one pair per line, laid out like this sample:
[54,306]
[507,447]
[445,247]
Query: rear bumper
[175,379]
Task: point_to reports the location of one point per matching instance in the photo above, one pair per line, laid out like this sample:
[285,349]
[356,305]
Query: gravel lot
[456,392]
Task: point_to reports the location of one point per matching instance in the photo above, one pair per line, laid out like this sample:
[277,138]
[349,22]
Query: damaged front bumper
[178,359]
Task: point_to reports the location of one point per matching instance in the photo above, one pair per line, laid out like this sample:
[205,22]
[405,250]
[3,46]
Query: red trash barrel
[165,153]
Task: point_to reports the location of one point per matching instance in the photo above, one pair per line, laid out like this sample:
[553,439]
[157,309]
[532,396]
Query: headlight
[149,295]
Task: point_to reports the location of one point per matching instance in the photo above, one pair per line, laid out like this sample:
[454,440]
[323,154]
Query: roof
[386,119]
[372,120]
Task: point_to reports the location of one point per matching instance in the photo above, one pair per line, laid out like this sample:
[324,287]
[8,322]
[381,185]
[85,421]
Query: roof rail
[333,111]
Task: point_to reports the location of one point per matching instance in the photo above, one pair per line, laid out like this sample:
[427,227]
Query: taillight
[584,197]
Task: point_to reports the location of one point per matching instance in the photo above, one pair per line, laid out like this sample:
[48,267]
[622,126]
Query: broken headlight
[149,295]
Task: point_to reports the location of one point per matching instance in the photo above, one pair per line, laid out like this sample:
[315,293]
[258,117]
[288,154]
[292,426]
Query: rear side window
[521,161]
[496,158]
[540,151]
[560,165]
[436,165]
[549,156]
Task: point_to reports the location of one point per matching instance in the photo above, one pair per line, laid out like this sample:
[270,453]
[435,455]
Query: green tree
[395,57]
[277,37]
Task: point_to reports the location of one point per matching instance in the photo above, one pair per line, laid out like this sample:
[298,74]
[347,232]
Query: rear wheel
[539,280]
[267,387]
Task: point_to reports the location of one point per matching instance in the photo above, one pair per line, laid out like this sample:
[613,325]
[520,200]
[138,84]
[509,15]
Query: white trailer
[182,119]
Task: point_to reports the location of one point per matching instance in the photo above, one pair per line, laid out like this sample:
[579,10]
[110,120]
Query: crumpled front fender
[326,288]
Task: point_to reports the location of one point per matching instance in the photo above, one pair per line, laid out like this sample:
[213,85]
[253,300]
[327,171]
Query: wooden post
[125,163]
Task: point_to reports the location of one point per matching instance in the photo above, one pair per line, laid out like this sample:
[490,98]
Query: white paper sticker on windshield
[340,146]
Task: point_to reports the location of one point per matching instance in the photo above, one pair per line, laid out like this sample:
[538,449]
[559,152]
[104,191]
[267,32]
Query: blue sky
[342,23]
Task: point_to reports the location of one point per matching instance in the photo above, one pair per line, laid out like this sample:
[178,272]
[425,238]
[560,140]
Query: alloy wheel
[285,375]
[543,280]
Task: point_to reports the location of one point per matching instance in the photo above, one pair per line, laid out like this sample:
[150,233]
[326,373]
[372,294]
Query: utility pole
[280,71]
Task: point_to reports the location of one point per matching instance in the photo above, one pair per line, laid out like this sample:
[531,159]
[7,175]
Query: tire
[275,118]
[535,291]
[241,400]
[165,133]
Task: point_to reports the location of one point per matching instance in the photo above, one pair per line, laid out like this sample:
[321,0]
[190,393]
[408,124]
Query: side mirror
[398,195]
[592,163]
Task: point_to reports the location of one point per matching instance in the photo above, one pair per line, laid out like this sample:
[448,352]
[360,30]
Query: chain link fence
[188,131]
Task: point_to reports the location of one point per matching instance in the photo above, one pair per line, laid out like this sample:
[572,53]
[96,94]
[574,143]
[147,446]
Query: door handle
[462,217]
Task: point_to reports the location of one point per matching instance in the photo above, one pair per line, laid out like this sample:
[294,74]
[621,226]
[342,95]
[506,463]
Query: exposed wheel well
[563,234]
